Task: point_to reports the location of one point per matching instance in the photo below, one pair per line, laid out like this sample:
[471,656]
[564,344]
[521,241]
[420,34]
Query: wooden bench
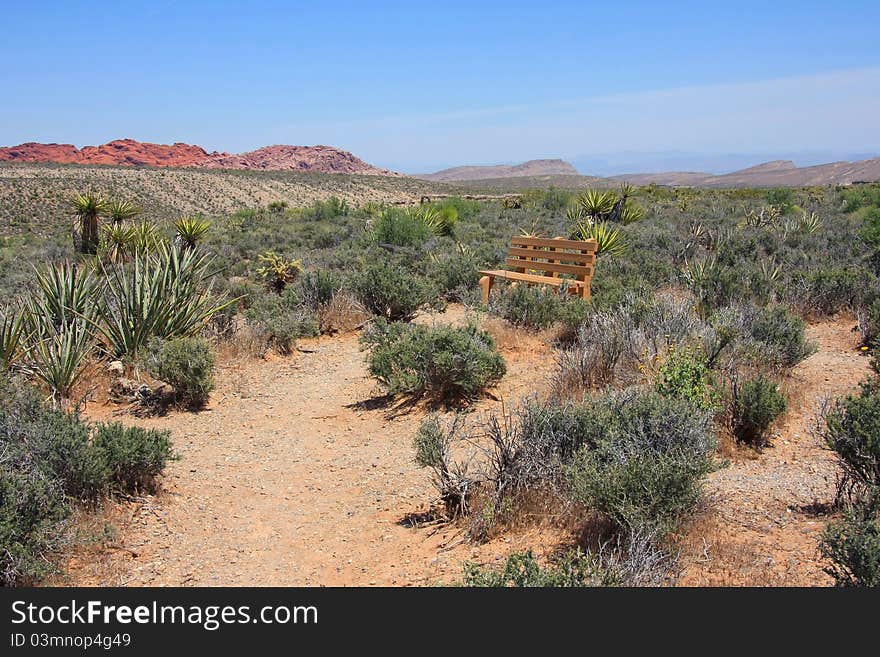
[550,256]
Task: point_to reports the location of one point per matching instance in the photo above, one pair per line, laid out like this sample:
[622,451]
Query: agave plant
[12,335]
[190,230]
[121,211]
[610,240]
[277,271]
[88,208]
[116,241]
[165,294]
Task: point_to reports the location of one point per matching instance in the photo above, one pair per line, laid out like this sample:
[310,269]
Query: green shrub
[852,430]
[455,274]
[316,288]
[832,290]
[783,333]
[444,362]
[684,374]
[133,456]
[391,291]
[187,365]
[394,226]
[284,318]
[870,324]
[754,405]
[532,307]
[645,467]
[852,544]
[522,570]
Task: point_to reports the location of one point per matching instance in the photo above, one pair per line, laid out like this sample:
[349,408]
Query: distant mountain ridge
[776,173]
[129,152]
[529,168]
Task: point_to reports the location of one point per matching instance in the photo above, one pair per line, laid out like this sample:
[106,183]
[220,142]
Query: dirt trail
[284,480]
[770,509]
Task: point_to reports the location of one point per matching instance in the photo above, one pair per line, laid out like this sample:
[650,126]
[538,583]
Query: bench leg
[486,286]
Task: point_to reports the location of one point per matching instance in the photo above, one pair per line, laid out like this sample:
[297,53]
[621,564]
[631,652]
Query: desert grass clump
[445,363]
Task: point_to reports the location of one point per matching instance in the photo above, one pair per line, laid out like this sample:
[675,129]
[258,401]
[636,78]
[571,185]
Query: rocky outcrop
[128,152]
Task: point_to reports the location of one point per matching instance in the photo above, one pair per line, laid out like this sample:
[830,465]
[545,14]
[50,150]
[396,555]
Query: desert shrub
[316,288]
[617,344]
[45,459]
[455,274]
[343,313]
[455,485]
[754,405]
[852,430]
[521,569]
[134,456]
[831,290]
[283,318]
[869,323]
[646,470]
[783,333]
[391,291]
[187,365]
[686,375]
[532,307]
[444,362]
[394,226]
[860,196]
[852,545]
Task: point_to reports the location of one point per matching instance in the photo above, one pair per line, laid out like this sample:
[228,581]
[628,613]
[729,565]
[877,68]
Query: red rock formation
[325,159]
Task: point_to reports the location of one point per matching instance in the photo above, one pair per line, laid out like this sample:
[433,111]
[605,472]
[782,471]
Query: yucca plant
[610,240]
[146,238]
[116,242]
[12,335]
[165,294]
[190,230]
[595,204]
[59,360]
[809,224]
[121,211]
[277,271]
[575,214]
[66,292]
[631,213]
[88,208]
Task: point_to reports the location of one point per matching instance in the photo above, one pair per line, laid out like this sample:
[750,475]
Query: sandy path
[770,510]
[284,481]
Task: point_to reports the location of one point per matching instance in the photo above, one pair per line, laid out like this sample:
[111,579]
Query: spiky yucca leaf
[121,211]
[59,360]
[65,293]
[631,213]
[116,242]
[12,335]
[596,204]
[146,238]
[610,240]
[164,294]
[190,230]
[88,207]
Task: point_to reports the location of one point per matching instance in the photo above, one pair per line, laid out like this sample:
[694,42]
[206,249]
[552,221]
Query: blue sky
[417,88]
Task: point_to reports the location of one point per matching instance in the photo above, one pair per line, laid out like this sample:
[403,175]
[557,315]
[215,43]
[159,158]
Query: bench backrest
[553,256]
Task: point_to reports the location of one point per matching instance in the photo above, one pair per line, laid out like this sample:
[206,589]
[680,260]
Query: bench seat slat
[531,278]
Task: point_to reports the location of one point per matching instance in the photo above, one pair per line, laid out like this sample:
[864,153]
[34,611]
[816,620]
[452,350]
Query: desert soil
[292,477]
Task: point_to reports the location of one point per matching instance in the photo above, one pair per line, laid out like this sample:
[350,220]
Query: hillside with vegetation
[224,370]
